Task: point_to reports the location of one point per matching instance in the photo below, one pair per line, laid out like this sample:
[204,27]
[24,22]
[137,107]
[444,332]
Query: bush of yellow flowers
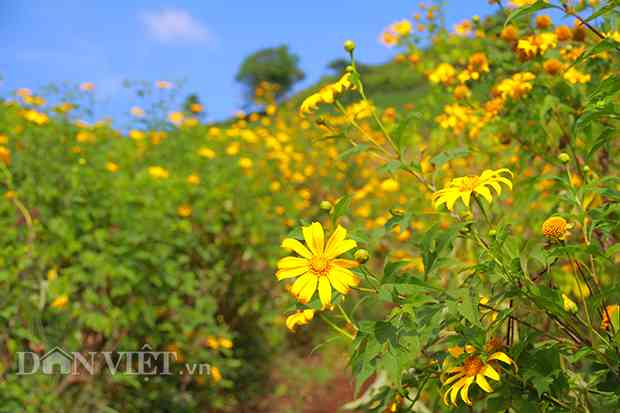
[488,284]
[452,216]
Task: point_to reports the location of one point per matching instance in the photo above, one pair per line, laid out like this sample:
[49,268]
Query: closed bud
[564,157]
[362,256]
[349,46]
[397,212]
[326,206]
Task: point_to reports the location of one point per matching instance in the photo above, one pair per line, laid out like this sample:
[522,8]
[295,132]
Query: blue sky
[203,42]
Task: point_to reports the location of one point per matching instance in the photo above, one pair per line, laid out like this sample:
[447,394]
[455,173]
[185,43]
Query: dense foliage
[452,216]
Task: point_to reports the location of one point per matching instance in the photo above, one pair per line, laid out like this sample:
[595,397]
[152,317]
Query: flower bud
[362,256]
[397,212]
[349,46]
[326,205]
[564,157]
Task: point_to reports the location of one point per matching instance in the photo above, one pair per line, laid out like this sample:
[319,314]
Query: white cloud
[174,25]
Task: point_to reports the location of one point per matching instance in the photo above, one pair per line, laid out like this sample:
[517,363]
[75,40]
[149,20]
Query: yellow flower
[206,152]
[196,107]
[317,265]
[569,305]
[60,302]
[212,342]
[87,86]
[184,211]
[158,172]
[137,112]
[136,134]
[401,28]
[225,343]
[5,155]
[193,179]
[245,163]
[464,187]
[390,185]
[611,317]
[176,118]
[301,318]
[517,86]
[556,228]
[327,94]
[111,167]
[574,76]
[163,84]
[473,369]
[444,73]
[216,375]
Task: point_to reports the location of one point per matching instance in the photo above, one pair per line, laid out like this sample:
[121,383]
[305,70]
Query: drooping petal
[465,390]
[290,272]
[454,392]
[503,357]
[466,197]
[496,186]
[490,372]
[483,383]
[484,191]
[336,238]
[325,291]
[308,290]
[314,236]
[452,200]
[340,248]
[453,378]
[294,245]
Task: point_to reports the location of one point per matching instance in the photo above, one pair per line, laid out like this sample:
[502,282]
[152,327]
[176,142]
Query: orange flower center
[554,227]
[472,366]
[468,184]
[319,264]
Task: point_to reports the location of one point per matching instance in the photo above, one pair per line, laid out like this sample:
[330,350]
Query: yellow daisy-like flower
[474,369]
[300,318]
[465,186]
[317,265]
[556,228]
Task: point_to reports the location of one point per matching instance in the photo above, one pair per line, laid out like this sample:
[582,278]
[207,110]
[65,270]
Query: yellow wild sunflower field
[435,234]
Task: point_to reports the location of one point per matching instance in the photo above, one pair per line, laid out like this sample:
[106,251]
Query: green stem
[338,329]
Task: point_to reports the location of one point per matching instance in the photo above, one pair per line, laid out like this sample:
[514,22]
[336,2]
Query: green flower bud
[349,46]
[564,157]
[326,205]
[362,256]
[397,212]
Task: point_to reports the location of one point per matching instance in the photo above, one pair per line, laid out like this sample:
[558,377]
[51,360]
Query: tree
[275,65]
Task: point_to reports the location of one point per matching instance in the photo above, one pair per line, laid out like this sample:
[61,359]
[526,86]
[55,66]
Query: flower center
[472,366]
[319,264]
[468,184]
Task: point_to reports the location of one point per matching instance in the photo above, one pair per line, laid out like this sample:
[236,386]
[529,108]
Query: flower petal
[308,290]
[340,248]
[325,291]
[336,238]
[483,383]
[465,390]
[285,273]
[503,357]
[344,276]
[314,236]
[300,283]
[294,245]
[292,262]
[490,372]
[485,192]
[453,378]
[344,263]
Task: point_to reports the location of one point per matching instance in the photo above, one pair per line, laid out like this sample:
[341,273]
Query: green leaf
[449,155]
[525,11]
